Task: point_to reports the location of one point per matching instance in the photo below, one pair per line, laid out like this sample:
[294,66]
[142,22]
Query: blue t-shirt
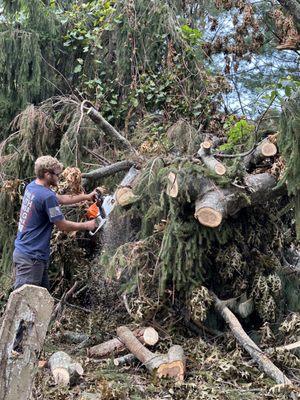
[40,209]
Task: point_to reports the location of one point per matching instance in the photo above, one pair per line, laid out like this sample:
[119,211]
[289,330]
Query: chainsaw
[100,210]
[103,205]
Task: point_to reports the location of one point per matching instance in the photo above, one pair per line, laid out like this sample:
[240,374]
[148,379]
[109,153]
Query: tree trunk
[22,335]
[215,204]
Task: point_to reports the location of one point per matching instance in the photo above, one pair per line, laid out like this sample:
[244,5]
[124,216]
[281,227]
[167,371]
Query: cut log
[127,359]
[170,365]
[263,150]
[216,204]
[255,352]
[175,365]
[211,163]
[64,370]
[145,335]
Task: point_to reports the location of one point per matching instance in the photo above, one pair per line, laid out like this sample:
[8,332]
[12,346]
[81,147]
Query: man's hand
[96,192]
[91,225]
[92,196]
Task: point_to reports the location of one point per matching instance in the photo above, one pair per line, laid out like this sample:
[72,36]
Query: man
[39,212]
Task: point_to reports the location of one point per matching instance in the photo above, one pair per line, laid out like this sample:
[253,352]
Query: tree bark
[262,360]
[108,170]
[170,365]
[145,335]
[64,370]
[22,335]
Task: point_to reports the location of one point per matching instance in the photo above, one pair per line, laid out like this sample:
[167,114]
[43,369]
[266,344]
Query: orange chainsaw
[100,210]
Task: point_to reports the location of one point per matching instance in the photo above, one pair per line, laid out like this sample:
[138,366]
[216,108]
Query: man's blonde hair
[47,164]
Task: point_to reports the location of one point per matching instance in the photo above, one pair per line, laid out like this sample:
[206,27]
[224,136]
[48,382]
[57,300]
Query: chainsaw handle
[99,223]
[92,233]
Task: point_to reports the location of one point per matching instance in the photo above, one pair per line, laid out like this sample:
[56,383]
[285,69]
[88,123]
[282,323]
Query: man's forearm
[67,199]
[69,226]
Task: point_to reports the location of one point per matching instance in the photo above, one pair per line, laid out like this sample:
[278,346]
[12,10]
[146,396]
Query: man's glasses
[54,173]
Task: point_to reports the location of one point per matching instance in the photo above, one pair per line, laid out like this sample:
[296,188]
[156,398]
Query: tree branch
[107,128]
[108,170]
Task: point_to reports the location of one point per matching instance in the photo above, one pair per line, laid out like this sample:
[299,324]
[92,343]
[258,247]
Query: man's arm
[67,199]
[69,226]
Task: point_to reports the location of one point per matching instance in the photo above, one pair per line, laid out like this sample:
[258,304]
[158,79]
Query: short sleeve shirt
[40,209]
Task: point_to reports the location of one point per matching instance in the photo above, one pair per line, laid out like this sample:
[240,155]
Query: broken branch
[107,128]
[170,365]
[255,352]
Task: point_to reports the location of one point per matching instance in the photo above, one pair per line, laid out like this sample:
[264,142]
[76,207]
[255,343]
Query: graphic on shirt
[54,211]
[25,209]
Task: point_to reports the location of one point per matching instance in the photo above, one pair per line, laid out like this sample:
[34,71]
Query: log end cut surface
[150,336]
[61,376]
[173,369]
[209,217]
[269,149]
[125,196]
[220,169]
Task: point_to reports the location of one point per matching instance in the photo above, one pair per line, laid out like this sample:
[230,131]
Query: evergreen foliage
[289,144]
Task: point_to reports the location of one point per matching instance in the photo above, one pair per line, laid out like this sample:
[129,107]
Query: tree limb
[261,359]
[108,170]
[107,128]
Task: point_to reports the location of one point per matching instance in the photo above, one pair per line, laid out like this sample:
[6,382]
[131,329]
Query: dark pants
[30,271]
